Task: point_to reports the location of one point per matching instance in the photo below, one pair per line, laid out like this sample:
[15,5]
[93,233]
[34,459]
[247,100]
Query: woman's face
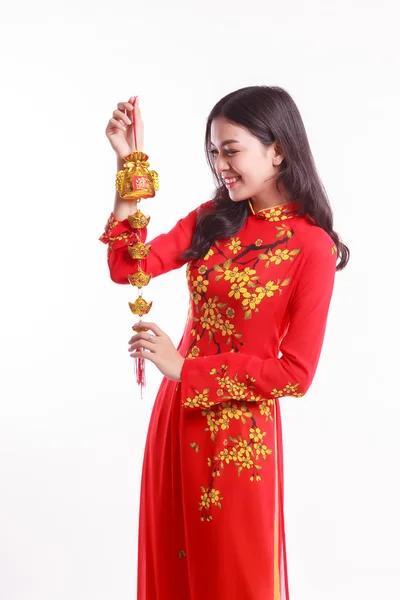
[247,166]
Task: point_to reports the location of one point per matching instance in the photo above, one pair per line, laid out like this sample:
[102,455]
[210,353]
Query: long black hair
[270,114]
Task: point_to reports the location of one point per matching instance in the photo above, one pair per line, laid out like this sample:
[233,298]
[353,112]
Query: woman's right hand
[121,128]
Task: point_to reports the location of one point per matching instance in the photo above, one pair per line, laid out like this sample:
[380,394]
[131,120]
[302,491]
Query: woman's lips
[231,181]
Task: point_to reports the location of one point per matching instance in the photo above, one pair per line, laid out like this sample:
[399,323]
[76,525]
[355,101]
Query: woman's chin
[236,197]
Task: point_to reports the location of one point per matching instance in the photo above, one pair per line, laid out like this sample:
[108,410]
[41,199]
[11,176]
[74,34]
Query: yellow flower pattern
[234,245]
[238,418]
[245,453]
[209,253]
[214,318]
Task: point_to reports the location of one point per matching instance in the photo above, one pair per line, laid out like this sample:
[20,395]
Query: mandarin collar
[280,212]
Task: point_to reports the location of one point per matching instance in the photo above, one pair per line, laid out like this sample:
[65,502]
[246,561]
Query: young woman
[261,259]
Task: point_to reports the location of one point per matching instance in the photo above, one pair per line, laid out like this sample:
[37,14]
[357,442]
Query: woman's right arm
[164,250]
[126,126]
[125,132]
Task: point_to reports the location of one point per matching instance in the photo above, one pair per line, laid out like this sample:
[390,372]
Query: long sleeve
[229,376]
[163,250]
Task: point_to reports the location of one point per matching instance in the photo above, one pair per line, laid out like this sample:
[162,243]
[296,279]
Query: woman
[261,259]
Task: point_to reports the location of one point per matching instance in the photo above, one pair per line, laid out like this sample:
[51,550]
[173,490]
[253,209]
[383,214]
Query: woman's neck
[268,200]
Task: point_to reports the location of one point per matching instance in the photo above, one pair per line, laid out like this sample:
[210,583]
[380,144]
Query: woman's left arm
[228,376]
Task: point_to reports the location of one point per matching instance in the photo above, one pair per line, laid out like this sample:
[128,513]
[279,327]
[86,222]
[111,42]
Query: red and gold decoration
[137,181]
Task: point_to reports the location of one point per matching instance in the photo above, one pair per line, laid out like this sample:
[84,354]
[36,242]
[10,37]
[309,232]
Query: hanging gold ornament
[139,250]
[139,279]
[140,307]
[137,181]
[138,220]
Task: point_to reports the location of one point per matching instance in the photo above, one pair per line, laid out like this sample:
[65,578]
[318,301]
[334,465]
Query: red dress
[211,513]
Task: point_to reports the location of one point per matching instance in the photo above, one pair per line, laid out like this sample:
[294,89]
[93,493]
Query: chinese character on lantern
[140,183]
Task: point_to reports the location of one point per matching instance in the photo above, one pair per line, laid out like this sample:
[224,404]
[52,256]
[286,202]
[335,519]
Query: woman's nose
[221,164]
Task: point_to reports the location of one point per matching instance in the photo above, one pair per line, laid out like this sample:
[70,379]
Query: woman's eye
[229,152]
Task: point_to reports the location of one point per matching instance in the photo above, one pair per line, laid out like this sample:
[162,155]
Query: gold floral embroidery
[279,256]
[281,212]
[211,317]
[110,224]
[231,405]
[274,214]
[208,497]
[201,399]
[235,389]
[127,236]
[245,454]
[214,318]
[265,409]
[283,231]
[238,289]
[209,253]
[234,245]
[200,284]
[194,353]
[242,453]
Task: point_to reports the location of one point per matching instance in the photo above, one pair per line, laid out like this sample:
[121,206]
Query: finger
[152,326]
[125,106]
[142,344]
[118,114]
[131,103]
[134,338]
[143,335]
[117,123]
[146,355]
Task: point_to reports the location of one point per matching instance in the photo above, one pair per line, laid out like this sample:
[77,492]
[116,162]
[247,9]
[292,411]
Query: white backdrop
[72,425]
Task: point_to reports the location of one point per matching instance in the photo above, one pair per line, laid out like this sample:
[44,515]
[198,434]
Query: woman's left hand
[157,348]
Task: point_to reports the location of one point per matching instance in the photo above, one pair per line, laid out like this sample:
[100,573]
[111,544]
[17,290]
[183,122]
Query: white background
[72,425]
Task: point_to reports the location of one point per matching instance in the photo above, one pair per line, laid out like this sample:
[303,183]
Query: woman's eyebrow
[227,142]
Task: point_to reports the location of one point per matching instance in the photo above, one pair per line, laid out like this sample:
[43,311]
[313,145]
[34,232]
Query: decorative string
[139,362]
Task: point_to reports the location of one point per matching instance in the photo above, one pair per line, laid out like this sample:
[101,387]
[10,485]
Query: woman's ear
[277,156]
